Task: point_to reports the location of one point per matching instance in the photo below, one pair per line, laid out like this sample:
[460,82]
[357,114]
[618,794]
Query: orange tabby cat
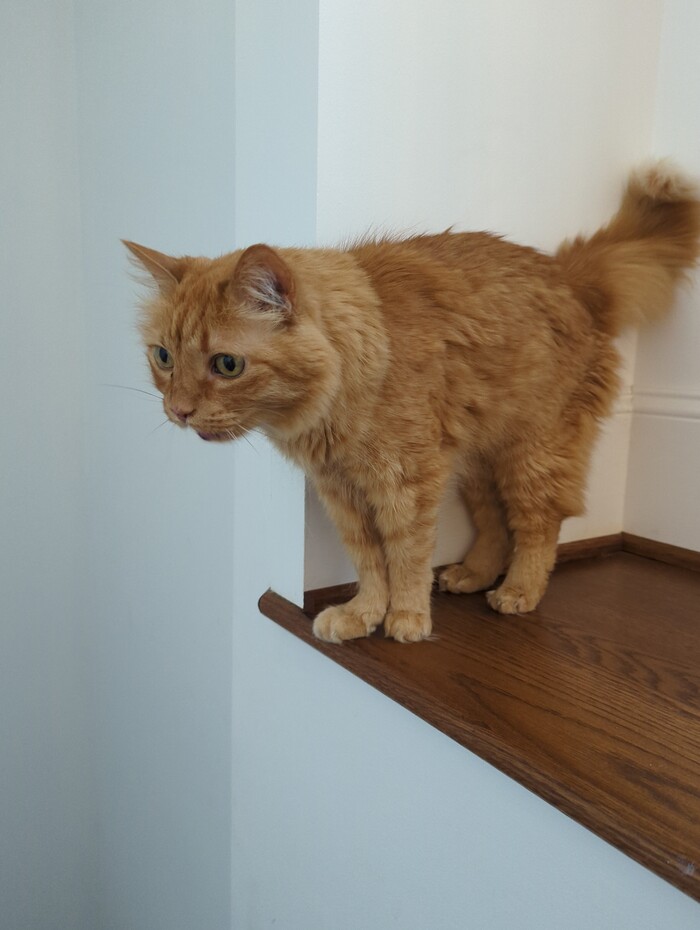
[387,367]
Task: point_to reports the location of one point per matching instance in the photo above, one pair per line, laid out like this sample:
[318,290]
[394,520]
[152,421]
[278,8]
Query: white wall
[47,841]
[662,494]
[275,174]
[521,118]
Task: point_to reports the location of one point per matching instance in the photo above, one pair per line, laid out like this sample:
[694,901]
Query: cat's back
[480,316]
[472,281]
[481,256]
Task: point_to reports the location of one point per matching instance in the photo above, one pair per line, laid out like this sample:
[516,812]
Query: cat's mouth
[214,437]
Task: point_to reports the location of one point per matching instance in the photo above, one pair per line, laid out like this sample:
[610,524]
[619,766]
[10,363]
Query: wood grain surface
[592,701]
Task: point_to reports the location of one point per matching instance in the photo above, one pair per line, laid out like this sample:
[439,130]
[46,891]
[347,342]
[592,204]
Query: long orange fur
[385,368]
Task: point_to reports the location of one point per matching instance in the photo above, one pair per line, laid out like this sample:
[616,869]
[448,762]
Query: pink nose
[182,413]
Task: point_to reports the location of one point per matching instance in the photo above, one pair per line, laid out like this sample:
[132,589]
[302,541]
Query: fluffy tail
[627,272]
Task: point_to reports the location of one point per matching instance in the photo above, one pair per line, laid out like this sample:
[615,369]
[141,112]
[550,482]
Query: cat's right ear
[166,271]
[263,284]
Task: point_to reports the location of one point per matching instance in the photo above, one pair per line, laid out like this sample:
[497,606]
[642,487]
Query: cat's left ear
[264,284]
[166,271]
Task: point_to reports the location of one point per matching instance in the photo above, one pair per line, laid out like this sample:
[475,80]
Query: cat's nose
[182,413]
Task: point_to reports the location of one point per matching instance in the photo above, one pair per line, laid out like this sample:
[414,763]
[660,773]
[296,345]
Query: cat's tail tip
[662,181]
[628,272]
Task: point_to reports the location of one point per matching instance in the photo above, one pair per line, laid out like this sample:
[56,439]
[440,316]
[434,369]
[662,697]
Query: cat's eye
[162,358]
[229,366]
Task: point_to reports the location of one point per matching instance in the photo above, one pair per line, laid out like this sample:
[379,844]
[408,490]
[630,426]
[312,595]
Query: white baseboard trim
[624,402]
[683,405]
[661,500]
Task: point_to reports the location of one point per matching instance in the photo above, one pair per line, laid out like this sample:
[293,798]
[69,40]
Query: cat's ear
[263,283]
[166,271]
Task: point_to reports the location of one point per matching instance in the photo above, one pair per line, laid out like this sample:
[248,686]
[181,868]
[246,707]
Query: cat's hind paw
[507,600]
[458,579]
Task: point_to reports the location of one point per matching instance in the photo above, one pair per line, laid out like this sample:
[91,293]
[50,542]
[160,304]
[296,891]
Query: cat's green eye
[229,366]
[162,358]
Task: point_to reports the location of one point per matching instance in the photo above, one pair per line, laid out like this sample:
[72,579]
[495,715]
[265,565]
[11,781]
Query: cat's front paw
[508,600]
[336,624]
[458,579]
[408,626]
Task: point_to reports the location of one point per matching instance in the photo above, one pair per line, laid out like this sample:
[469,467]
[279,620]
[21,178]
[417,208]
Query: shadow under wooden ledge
[592,701]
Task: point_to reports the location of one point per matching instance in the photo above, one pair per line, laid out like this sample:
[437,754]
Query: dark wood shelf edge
[368,665]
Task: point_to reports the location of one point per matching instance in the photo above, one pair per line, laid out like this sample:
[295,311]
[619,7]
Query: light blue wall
[275,201]
[47,842]
[156,116]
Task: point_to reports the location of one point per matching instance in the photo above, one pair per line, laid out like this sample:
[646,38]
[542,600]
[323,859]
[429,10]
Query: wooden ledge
[592,701]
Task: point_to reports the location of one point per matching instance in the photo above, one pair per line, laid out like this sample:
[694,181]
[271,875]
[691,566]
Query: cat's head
[234,343]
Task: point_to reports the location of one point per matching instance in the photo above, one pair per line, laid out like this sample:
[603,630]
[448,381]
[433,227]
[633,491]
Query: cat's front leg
[353,620]
[363,613]
[407,521]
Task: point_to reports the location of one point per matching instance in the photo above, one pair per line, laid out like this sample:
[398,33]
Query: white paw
[507,600]
[408,626]
[336,624]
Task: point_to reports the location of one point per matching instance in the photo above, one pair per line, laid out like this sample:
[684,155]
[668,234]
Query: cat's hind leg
[526,580]
[361,615]
[539,490]
[489,555]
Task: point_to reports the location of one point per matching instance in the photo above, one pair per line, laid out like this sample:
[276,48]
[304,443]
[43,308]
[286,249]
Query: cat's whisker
[155,429]
[125,387]
[230,433]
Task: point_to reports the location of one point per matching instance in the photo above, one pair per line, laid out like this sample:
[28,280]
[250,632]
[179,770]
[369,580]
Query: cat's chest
[360,462]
